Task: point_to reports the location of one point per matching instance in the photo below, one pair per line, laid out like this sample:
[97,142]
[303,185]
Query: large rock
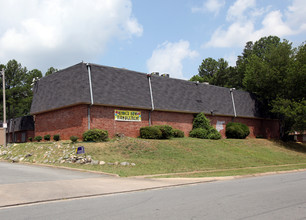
[124,163]
[88,158]
[15,159]
[28,155]
[94,162]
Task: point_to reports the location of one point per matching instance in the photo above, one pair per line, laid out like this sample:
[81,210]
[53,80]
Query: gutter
[91,94]
[233,101]
[152,102]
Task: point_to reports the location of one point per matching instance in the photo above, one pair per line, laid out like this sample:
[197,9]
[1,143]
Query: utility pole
[4,106]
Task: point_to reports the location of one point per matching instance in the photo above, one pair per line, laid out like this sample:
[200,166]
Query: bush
[201,128]
[56,137]
[150,132]
[214,134]
[38,138]
[178,133]
[200,121]
[166,130]
[237,130]
[199,133]
[30,139]
[95,135]
[74,139]
[47,137]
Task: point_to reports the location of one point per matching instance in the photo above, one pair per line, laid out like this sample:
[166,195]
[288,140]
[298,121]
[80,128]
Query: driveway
[26,184]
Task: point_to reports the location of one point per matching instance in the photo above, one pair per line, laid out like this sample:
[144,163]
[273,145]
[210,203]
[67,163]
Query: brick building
[85,96]
[20,129]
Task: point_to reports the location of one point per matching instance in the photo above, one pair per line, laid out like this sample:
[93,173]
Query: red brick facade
[65,122]
[19,136]
[74,121]
[258,127]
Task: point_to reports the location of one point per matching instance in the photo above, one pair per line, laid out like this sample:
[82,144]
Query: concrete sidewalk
[33,192]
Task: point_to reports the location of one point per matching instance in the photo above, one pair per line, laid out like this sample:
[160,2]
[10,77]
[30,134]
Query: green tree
[208,68]
[220,77]
[276,73]
[18,86]
[214,72]
[292,115]
[267,69]
[50,71]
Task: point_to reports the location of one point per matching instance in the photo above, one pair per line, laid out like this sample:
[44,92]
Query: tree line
[19,82]
[272,70]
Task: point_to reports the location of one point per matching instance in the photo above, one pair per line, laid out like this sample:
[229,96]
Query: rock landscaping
[58,153]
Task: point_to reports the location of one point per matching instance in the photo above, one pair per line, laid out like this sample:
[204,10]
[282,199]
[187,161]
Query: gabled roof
[125,88]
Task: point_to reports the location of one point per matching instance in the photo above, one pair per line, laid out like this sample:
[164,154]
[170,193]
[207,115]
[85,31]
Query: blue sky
[169,36]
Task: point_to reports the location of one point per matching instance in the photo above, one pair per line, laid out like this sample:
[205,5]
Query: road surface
[281,196]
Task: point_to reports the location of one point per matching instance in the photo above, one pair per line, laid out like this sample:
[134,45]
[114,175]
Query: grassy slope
[210,157]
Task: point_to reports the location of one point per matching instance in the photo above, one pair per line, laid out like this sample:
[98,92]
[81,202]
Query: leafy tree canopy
[50,71]
[18,87]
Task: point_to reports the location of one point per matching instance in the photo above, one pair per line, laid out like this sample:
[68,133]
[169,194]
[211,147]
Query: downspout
[233,101]
[152,102]
[91,94]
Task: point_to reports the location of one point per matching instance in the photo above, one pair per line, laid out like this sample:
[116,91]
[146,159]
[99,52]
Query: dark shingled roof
[24,123]
[124,88]
[63,88]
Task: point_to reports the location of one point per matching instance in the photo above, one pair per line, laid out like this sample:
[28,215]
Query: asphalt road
[278,197]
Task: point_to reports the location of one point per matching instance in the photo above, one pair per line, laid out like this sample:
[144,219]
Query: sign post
[4,106]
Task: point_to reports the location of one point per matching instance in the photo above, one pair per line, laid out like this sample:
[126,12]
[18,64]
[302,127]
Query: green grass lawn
[182,157]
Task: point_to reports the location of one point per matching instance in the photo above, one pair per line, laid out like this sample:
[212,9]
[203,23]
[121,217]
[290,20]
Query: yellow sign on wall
[124,115]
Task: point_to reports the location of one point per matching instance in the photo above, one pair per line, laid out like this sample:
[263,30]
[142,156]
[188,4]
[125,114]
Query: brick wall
[73,121]
[103,118]
[258,127]
[65,122]
[182,121]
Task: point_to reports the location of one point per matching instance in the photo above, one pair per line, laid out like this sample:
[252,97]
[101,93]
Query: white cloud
[237,10]
[235,35]
[168,57]
[41,33]
[296,15]
[212,6]
[243,16]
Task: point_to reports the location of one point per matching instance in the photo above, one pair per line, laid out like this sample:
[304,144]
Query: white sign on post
[4,125]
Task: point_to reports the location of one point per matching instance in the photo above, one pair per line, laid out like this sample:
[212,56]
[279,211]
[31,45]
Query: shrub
[214,134]
[199,133]
[56,137]
[47,137]
[201,128]
[38,138]
[200,121]
[237,130]
[178,133]
[166,130]
[150,132]
[95,135]
[30,139]
[74,139]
